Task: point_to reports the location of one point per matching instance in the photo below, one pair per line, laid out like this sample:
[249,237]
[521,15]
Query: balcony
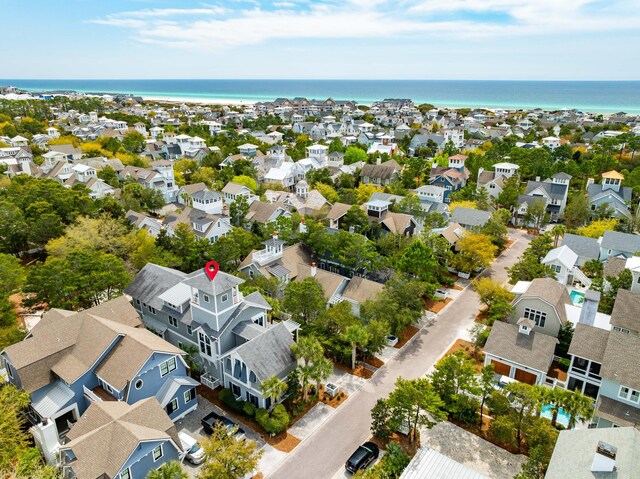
[263,257]
[209,381]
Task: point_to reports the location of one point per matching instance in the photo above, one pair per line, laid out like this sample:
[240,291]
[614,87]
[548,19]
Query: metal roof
[51,399]
[432,464]
[169,389]
[178,294]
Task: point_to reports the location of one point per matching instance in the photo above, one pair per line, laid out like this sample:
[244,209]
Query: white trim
[177,405]
[128,469]
[135,385]
[192,408]
[161,452]
[169,371]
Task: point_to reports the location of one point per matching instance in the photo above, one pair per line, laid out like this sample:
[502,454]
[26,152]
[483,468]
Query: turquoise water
[577,298]
[563,417]
[600,96]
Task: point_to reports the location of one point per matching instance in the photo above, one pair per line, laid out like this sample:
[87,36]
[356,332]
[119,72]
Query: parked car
[194,453]
[210,420]
[362,458]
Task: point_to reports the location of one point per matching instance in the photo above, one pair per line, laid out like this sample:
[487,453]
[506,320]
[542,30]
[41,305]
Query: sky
[321,39]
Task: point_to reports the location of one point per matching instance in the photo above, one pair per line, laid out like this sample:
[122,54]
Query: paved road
[322,455]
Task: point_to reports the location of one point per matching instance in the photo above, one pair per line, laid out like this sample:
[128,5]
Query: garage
[525,376]
[501,368]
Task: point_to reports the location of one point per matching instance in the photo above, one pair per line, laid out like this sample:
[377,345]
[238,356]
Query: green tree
[486,385]
[238,211]
[579,408]
[577,211]
[246,181]
[228,458]
[273,388]
[304,299]
[356,336]
[109,176]
[415,403]
[355,220]
[169,470]
[13,228]
[454,379]
[133,141]
[418,260]
[79,280]
[511,189]
[15,440]
[320,371]
[381,424]
[530,267]
[12,274]
[310,350]
[353,154]
[536,215]
[525,401]
[475,251]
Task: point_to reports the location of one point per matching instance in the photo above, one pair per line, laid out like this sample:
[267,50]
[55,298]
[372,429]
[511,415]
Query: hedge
[273,423]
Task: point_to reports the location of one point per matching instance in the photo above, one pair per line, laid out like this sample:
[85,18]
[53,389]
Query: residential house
[265,213]
[204,225]
[377,212]
[119,440]
[452,177]
[69,360]
[596,453]
[553,191]
[141,221]
[611,193]
[287,174]
[469,218]
[586,248]
[159,177]
[602,363]
[232,191]
[211,314]
[303,201]
[380,174]
[493,181]
[524,347]
[615,243]
[564,263]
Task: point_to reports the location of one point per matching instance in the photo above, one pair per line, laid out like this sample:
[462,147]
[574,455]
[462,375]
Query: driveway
[326,449]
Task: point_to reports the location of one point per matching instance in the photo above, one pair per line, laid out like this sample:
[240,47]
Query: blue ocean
[591,96]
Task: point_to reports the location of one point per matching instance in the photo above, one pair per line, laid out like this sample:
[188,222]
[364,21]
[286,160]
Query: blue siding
[182,405]
[151,379]
[141,461]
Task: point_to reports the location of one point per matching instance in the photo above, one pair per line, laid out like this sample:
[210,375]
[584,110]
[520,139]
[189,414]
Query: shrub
[229,400]
[249,409]
[564,363]
[273,423]
[394,461]
[482,337]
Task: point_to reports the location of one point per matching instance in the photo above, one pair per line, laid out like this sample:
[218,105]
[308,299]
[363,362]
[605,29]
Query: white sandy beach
[200,101]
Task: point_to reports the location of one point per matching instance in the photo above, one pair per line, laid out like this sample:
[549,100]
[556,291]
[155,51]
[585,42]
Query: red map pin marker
[211,269]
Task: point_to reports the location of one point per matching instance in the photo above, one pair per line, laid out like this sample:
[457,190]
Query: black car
[211,419]
[363,457]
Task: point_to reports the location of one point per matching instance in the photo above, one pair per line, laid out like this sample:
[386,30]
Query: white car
[194,453]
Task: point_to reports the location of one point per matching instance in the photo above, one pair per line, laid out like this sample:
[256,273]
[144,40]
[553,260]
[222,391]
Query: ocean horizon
[587,96]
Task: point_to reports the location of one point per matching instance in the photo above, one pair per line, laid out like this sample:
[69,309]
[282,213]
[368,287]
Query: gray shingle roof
[596,189]
[554,190]
[617,364]
[470,216]
[534,350]
[626,310]
[615,240]
[269,354]
[221,283]
[583,246]
[151,282]
[552,292]
[589,342]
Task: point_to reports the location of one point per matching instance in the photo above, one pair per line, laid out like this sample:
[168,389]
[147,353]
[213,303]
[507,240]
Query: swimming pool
[577,297]
[563,417]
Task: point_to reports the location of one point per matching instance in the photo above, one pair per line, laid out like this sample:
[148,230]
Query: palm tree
[579,408]
[273,388]
[320,371]
[309,350]
[556,398]
[169,470]
[355,335]
[192,353]
[557,231]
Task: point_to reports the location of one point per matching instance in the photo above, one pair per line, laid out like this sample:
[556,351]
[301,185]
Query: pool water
[563,417]
[577,298]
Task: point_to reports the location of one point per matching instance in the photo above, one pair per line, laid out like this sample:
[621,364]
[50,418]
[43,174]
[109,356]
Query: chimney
[275,235]
[378,160]
[302,228]
[589,307]
[225,210]
[314,270]
[538,179]
[604,459]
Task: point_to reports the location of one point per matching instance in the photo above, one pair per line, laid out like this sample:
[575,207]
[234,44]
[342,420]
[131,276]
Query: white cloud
[216,27]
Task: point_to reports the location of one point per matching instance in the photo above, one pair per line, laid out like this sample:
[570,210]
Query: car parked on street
[362,457]
[194,453]
[211,419]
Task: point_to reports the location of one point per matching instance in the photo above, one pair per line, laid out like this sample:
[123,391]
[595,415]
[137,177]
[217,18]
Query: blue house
[452,177]
[121,441]
[611,193]
[70,360]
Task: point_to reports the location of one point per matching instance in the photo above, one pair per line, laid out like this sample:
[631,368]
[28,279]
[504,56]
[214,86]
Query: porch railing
[209,381]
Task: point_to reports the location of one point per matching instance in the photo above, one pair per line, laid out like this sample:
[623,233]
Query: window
[173,321]
[168,366]
[538,316]
[138,302]
[172,406]
[205,297]
[126,474]
[624,392]
[621,330]
[179,344]
[189,395]
[157,453]
[224,297]
[189,330]
[139,383]
[556,267]
[152,309]
[252,377]
[205,344]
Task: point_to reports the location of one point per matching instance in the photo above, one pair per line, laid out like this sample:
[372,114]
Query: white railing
[580,276]
[90,394]
[209,381]
[263,257]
